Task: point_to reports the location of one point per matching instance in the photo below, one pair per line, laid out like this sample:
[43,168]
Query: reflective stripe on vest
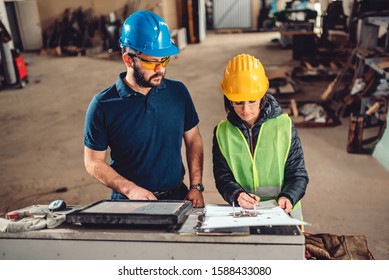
[272,148]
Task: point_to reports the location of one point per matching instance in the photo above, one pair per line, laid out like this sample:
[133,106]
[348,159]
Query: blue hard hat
[148,33]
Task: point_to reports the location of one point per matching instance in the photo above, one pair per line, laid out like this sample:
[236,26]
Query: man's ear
[127,60]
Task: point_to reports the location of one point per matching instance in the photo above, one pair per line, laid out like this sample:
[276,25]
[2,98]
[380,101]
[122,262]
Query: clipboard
[267,214]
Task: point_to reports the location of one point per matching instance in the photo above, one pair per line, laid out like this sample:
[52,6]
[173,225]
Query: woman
[257,148]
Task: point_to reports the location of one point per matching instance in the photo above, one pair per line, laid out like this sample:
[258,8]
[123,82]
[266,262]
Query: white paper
[268,213]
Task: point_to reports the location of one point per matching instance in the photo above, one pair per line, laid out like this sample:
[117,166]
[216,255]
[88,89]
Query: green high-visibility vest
[263,173]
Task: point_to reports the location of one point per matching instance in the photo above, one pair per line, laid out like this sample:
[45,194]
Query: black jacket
[295,176]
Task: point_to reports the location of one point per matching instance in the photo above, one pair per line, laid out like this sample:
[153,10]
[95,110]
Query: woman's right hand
[248,201]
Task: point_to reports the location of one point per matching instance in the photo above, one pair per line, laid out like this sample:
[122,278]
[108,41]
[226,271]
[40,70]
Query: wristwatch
[199,187]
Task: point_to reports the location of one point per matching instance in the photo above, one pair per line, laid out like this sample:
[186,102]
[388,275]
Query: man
[143,118]
[257,153]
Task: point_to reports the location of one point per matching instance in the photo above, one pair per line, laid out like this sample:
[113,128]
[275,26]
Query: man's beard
[142,82]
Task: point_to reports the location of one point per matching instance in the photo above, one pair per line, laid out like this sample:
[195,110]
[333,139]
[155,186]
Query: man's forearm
[195,159]
[108,176]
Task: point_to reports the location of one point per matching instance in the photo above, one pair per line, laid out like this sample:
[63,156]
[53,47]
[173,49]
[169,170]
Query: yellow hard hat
[244,79]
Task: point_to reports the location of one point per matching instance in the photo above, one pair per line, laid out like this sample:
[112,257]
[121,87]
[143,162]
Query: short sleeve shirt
[144,132]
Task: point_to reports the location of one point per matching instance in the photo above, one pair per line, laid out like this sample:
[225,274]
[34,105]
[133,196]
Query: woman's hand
[285,204]
[248,201]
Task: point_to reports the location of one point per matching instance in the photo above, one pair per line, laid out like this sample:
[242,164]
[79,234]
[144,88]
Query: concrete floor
[42,145]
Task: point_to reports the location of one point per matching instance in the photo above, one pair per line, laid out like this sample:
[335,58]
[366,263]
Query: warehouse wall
[53,9]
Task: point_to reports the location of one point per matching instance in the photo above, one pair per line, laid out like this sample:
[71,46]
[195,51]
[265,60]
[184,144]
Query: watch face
[199,187]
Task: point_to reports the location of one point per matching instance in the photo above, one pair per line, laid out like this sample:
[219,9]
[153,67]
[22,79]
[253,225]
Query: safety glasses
[152,65]
[240,104]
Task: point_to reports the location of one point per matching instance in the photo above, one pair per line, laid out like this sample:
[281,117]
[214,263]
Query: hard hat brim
[170,51]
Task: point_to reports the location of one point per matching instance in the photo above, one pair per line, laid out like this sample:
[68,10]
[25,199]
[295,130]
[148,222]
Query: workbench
[75,241]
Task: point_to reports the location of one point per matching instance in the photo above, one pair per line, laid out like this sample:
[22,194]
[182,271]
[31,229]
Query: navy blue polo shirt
[144,133]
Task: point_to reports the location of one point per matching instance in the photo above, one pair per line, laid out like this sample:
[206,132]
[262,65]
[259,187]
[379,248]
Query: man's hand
[196,197]
[285,204]
[137,193]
